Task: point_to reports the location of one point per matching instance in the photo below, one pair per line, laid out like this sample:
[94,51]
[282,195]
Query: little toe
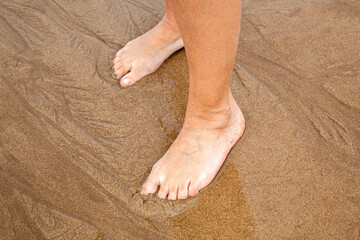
[149,187]
[163,192]
[183,191]
[173,192]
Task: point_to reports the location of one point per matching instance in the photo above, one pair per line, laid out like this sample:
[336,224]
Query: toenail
[114,76]
[125,81]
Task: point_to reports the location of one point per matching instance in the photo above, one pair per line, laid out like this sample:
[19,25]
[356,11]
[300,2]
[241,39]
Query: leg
[213,121]
[146,53]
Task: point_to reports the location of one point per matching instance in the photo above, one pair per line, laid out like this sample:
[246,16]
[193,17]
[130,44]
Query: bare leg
[146,53]
[213,121]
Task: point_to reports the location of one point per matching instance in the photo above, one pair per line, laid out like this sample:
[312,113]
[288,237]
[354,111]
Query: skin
[213,121]
[146,53]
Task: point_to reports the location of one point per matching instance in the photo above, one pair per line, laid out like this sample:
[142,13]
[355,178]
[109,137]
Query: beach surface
[75,147]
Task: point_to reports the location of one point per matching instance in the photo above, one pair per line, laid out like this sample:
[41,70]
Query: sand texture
[75,147]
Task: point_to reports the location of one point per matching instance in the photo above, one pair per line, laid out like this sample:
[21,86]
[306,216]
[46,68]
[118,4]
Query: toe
[121,71]
[183,191]
[193,190]
[173,192]
[119,64]
[121,51]
[117,60]
[133,76]
[149,187]
[163,192]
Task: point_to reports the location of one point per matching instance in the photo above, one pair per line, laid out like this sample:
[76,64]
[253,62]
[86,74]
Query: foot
[146,53]
[197,154]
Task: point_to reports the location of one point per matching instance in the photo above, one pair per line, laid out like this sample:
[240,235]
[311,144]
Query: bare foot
[197,154]
[146,53]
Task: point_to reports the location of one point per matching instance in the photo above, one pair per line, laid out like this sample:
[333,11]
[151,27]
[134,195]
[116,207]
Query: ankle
[216,117]
[170,19]
[171,25]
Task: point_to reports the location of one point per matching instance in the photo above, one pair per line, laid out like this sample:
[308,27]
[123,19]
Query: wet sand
[75,147]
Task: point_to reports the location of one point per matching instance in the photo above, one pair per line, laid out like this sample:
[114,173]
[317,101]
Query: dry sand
[75,147]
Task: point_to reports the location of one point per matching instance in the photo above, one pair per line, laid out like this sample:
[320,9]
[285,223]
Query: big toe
[133,76]
[193,190]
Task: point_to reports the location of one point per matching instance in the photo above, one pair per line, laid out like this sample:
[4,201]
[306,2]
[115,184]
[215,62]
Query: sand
[75,147]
